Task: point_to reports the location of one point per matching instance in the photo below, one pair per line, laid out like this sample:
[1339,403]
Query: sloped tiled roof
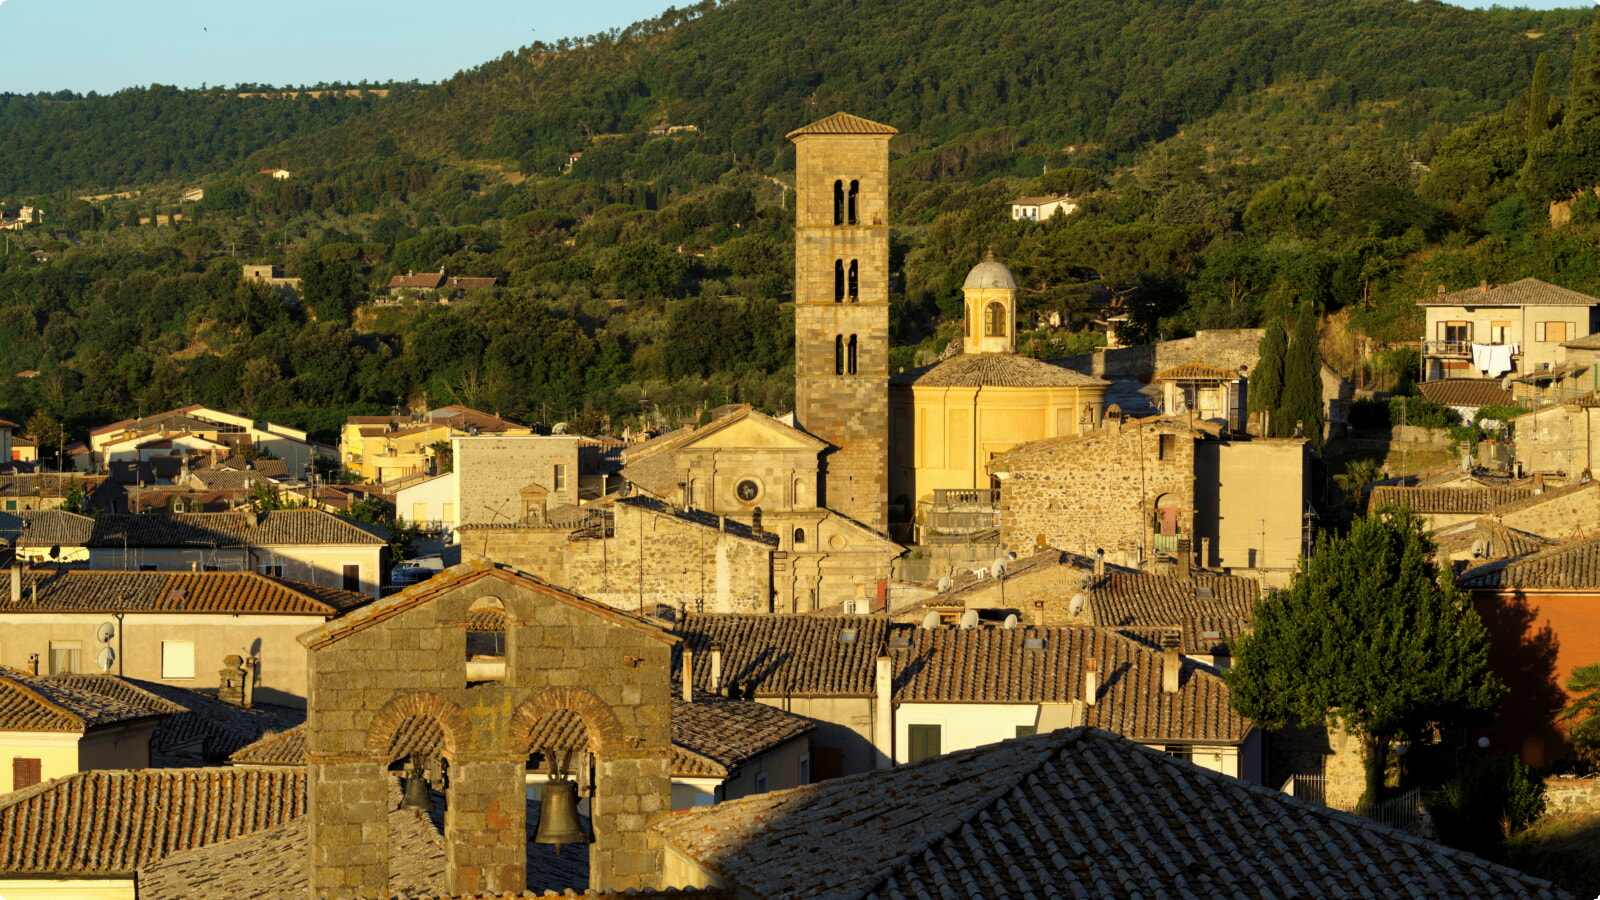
[111,822]
[1445,500]
[80,590]
[233,529]
[427,280]
[271,468]
[843,123]
[1574,566]
[31,703]
[1073,813]
[1206,624]
[1196,370]
[200,728]
[1503,541]
[46,526]
[1467,392]
[228,479]
[803,655]
[1527,292]
[994,370]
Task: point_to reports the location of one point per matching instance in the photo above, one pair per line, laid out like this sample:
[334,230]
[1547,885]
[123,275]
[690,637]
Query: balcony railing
[965,499]
[1454,349]
[1167,543]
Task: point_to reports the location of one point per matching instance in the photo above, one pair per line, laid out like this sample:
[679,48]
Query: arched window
[855,191]
[995,320]
[838,354]
[850,365]
[838,281]
[854,290]
[838,203]
[799,536]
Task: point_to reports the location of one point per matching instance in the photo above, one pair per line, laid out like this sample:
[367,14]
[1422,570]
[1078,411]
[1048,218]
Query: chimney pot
[1091,681]
[716,668]
[1171,662]
[688,674]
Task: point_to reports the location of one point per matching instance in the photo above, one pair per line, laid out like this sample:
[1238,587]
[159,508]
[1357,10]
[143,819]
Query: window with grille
[923,741]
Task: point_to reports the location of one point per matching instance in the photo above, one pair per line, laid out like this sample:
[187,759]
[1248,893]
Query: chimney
[1099,563]
[883,713]
[688,674]
[1091,681]
[1538,482]
[722,524]
[683,495]
[1205,553]
[16,577]
[716,669]
[1171,662]
[1483,286]
[1441,290]
[33,663]
[250,664]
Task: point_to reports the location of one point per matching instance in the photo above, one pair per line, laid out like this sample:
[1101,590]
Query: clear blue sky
[104,45]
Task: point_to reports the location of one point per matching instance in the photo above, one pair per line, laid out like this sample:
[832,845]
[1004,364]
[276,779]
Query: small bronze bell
[558,814]
[416,797]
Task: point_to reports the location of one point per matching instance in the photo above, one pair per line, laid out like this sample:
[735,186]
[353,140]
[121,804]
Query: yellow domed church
[949,419]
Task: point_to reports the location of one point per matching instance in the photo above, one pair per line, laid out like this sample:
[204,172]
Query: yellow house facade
[382,449]
[947,421]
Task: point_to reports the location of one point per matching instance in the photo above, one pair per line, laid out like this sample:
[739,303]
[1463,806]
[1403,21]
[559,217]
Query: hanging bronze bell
[558,814]
[416,797]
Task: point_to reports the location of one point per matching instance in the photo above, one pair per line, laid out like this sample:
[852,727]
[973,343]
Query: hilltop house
[1493,330]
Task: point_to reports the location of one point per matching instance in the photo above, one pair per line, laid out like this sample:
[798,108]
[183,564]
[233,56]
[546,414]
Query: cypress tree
[1302,383]
[1266,380]
[1584,98]
[1539,99]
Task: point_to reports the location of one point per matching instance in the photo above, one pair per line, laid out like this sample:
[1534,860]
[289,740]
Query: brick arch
[389,720]
[605,732]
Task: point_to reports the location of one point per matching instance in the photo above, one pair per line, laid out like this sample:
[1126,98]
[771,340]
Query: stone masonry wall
[492,471]
[683,563]
[378,675]
[1098,491]
[1559,517]
[1572,795]
[847,409]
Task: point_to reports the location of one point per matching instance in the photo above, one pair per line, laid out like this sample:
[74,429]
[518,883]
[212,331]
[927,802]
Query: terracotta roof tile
[232,529]
[1502,541]
[1197,370]
[1074,813]
[1468,392]
[113,822]
[843,123]
[200,728]
[777,655]
[1527,292]
[31,703]
[46,526]
[80,590]
[1574,566]
[1445,500]
[994,370]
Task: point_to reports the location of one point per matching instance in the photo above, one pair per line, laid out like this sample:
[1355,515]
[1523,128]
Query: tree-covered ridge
[1097,72]
[142,135]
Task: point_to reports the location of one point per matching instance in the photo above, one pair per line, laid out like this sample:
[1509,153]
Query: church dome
[989,274]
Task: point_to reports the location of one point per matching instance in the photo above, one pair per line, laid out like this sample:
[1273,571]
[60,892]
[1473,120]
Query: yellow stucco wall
[45,888]
[57,753]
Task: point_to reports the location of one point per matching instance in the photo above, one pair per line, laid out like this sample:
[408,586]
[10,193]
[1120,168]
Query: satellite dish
[1480,548]
[1011,621]
[106,632]
[999,567]
[944,584]
[106,657]
[969,619]
[55,551]
[1075,607]
[930,621]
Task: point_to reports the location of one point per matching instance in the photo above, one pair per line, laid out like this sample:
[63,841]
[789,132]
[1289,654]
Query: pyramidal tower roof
[843,123]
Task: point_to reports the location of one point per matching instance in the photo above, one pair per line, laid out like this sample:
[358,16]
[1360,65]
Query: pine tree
[1266,380]
[1539,99]
[1371,637]
[1301,404]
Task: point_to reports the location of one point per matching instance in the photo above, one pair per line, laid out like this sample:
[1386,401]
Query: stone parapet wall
[1572,795]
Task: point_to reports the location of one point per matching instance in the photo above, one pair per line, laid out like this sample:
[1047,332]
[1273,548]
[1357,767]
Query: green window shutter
[924,740]
[1025,731]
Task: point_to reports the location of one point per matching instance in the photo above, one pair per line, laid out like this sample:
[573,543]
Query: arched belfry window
[838,354]
[838,203]
[855,193]
[854,291]
[995,320]
[850,362]
[838,281]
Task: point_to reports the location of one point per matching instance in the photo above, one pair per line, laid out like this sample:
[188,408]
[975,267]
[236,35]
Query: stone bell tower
[841,293]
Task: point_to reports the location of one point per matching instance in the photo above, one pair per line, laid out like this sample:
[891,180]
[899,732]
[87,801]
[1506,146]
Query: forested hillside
[1234,161]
